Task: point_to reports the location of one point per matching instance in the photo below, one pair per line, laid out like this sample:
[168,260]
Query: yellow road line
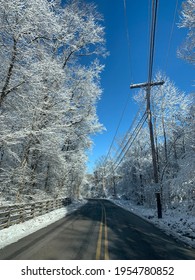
[99,243]
[106,254]
[100,237]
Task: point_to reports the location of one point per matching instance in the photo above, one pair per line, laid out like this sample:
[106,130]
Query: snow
[16,232]
[177,223]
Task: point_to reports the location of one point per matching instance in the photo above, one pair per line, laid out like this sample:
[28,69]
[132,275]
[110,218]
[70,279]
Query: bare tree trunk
[141,189]
[175,138]
[5,90]
[156,144]
[183,143]
[34,164]
[1,155]
[154,161]
[23,165]
[47,177]
[165,139]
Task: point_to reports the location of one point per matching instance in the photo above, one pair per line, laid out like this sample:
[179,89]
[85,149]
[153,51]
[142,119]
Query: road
[98,230]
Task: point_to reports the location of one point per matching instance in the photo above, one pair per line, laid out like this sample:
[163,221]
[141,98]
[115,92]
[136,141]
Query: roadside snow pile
[16,232]
[177,222]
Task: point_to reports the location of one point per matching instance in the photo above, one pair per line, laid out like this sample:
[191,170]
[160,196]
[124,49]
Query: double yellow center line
[102,247]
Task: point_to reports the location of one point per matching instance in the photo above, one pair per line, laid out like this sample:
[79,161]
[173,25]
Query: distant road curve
[98,230]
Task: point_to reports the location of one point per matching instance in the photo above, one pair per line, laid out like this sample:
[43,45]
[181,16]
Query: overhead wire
[150,70]
[131,142]
[171,36]
[116,132]
[130,76]
[170,40]
[140,124]
[125,141]
[152,39]
[128,132]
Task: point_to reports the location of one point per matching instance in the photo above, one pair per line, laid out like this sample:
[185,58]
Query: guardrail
[19,213]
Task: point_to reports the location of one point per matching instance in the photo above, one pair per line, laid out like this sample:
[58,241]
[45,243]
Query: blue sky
[120,72]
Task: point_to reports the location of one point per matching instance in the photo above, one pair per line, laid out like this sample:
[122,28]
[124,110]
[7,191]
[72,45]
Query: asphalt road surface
[98,230]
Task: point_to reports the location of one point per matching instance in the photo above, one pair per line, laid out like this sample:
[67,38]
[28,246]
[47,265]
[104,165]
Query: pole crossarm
[142,85]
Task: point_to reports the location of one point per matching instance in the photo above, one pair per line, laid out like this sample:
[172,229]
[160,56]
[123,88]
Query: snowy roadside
[16,232]
[176,223]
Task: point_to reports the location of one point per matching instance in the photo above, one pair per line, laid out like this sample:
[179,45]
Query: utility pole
[149,115]
[150,125]
[148,86]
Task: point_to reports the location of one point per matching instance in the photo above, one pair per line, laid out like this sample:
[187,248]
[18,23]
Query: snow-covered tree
[188,21]
[173,120]
[48,94]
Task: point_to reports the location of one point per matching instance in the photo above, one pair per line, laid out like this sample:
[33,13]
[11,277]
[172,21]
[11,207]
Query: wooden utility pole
[148,86]
[150,125]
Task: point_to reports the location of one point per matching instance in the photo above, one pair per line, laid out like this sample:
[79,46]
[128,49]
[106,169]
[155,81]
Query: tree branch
[9,74]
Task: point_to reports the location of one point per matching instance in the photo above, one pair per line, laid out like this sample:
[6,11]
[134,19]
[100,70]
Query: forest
[49,87]
[51,57]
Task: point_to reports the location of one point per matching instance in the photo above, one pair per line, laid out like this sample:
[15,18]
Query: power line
[131,78]
[128,132]
[171,35]
[148,84]
[125,148]
[116,132]
[150,67]
[148,109]
[125,141]
[152,39]
[138,130]
[130,137]
[140,124]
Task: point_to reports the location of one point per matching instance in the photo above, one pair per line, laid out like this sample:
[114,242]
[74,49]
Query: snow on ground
[177,223]
[16,232]
[174,222]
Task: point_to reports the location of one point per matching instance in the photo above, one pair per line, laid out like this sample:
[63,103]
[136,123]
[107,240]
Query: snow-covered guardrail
[19,213]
